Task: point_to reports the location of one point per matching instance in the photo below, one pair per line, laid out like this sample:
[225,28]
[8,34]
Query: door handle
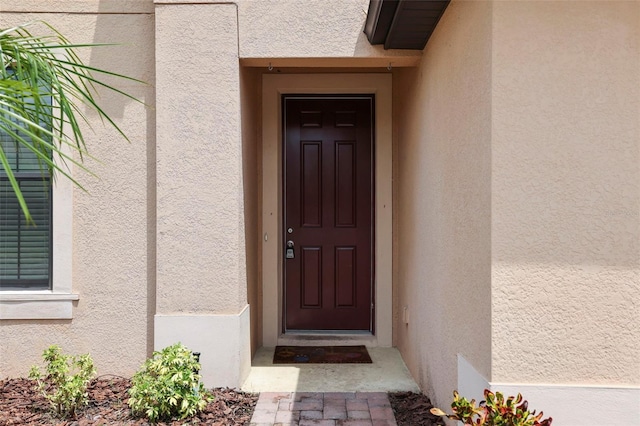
[289,252]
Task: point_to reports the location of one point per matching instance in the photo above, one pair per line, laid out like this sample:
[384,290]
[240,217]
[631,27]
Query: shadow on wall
[131,52]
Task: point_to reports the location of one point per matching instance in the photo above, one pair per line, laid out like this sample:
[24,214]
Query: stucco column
[201,288]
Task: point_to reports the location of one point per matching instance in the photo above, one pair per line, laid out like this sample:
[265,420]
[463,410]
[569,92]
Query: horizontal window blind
[25,249]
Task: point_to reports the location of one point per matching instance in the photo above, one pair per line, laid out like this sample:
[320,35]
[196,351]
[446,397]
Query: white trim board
[56,303]
[222,340]
[568,405]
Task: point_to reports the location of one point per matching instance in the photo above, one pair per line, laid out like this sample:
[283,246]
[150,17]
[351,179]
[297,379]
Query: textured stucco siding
[78,6]
[310,28]
[201,251]
[516,183]
[566,192]
[517,208]
[111,222]
[442,262]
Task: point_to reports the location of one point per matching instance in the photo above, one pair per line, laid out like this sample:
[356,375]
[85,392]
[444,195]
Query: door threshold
[327,338]
[328,332]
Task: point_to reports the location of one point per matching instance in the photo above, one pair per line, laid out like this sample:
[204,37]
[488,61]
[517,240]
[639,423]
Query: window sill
[36,305]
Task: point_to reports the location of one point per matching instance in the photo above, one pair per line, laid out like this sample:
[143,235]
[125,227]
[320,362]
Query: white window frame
[56,303]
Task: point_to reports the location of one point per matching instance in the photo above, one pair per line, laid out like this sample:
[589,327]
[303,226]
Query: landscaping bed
[20,404]
[412,409]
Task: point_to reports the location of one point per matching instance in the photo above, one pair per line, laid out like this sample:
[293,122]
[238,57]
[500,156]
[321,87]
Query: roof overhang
[403,24]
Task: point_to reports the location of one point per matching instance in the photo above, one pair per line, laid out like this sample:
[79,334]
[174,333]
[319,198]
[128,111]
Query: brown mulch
[412,409]
[20,404]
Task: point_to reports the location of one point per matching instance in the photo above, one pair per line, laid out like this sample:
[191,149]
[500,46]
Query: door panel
[311,277]
[345,191]
[328,199]
[311,184]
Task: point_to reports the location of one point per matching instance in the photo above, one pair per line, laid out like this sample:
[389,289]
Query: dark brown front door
[328,199]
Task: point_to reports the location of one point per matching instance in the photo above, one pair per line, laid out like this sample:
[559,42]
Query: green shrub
[168,386]
[65,384]
[494,411]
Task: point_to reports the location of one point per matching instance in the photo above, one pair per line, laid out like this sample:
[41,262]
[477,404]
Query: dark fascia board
[403,24]
[379,18]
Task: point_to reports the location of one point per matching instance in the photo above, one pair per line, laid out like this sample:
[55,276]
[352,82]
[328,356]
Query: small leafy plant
[494,411]
[66,380]
[168,386]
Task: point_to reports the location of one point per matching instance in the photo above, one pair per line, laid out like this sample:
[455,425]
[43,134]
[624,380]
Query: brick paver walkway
[324,409]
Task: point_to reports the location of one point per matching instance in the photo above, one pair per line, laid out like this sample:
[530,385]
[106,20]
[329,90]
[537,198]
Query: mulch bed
[20,404]
[412,409]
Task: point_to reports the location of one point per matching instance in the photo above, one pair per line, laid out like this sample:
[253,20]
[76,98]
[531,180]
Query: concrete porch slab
[387,373]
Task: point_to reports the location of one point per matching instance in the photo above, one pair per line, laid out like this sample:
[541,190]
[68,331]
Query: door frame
[273,87]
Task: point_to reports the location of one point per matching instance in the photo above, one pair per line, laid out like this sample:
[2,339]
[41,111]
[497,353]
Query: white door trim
[273,86]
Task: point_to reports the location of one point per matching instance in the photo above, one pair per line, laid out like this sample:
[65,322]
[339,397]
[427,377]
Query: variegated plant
[495,410]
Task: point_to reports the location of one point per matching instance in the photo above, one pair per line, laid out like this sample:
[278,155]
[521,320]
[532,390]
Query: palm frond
[43,84]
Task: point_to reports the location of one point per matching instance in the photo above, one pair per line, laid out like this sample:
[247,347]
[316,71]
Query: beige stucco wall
[201,282]
[306,29]
[516,183]
[442,206]
[517,208]
[112,223]
[566,192]
[300,29]
[201,251]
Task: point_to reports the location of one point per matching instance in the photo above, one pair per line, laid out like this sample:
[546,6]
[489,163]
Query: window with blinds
[25,249]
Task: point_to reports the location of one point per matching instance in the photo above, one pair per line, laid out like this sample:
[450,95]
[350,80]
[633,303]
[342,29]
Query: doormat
[321,355]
